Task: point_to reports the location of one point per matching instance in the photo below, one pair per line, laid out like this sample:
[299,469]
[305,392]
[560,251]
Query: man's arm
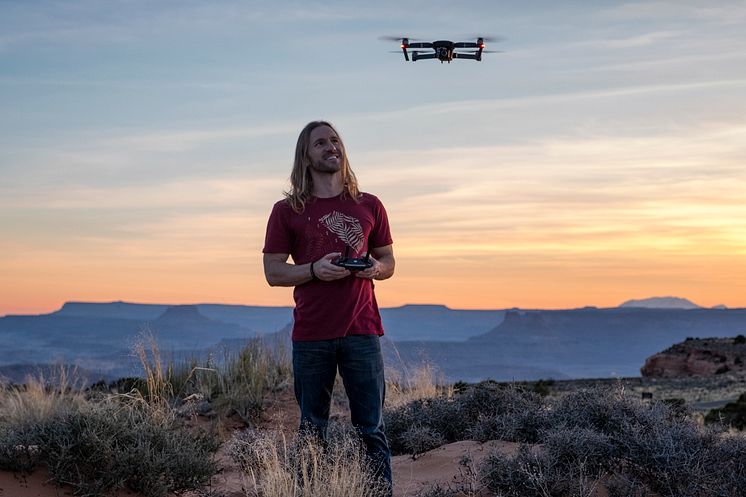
[280,273]
[383,264]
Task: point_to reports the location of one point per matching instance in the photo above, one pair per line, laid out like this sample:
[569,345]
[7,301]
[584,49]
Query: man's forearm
[386,268]
[285,274]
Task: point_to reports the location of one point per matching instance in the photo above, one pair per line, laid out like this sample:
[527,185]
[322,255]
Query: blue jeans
[360,364]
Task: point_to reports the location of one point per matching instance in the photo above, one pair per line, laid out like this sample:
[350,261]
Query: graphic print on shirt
[347,228]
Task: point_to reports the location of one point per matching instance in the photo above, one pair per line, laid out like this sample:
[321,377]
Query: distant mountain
[467,345]
[258,318]
[181,315]
[100,336]
[576,343]
[662,303]
[437,323]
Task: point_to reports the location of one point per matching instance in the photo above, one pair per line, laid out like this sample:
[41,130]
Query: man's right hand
[326,271]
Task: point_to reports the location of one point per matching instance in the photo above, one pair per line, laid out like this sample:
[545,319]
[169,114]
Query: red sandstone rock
[697,357]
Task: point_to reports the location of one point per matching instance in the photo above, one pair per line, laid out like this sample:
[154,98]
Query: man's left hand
[372,272]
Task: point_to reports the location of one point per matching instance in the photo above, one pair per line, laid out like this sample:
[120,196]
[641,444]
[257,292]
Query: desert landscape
[232,432]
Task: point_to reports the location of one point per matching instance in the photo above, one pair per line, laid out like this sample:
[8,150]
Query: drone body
[443,50]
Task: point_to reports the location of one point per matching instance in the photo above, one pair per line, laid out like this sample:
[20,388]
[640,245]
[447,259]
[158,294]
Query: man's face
[325,150]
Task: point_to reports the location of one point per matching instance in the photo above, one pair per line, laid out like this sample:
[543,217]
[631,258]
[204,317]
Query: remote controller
[354,263]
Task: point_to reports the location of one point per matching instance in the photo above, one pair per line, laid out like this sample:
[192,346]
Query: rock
[698,357]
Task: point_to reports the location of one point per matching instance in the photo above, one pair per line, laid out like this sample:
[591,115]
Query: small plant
[732,414]
[485,411]
[236,385]
[104,445]
[421,382]
[305,467]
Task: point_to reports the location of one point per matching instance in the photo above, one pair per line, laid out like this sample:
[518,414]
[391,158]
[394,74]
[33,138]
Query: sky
[598,158]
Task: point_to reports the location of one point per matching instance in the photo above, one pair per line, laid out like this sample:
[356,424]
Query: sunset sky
[601,157]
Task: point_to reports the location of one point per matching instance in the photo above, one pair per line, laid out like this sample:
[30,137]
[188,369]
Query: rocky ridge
[698,357]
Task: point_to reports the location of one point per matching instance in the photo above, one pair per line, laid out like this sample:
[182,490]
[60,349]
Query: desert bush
[17,453]
[509,413]
[439,491]
[537,473]
[305,467]
[39,398]
[728,463]
[569,446]
[601,434]
[419,439]
[482,412]
[621,484]
[671,458]
[245,379]
[732,414]
[102,446]
[610,411]
[420,382]
[431,418]
[237,384]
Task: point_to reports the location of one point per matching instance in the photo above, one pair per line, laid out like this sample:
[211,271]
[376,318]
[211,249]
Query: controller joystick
[353,263]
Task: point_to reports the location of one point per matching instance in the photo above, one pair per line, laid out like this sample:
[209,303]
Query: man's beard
[325,167]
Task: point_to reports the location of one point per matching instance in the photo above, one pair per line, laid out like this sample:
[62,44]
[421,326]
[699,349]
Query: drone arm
[472,56]
[418,56]
[420,45]
[465,44]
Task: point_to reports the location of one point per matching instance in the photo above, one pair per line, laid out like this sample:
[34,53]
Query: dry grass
[40,398]
[159,381]
[237,384]
[304,467]
[420,382]
[97,443]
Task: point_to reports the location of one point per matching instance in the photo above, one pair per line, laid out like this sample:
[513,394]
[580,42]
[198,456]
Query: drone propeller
[486,39]
[398,38]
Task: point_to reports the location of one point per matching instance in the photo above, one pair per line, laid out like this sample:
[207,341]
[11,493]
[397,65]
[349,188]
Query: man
[336,318]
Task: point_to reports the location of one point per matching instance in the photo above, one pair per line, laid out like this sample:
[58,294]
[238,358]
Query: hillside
[698,357]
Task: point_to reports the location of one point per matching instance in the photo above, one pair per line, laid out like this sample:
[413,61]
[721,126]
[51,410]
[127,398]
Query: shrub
[671,458]
[305,467]
[421,382]
[482,412]
[537,473]
[419,439]
[505,413]
[236,385]
[732,414]
[103,446]
[637,449]
[435,418]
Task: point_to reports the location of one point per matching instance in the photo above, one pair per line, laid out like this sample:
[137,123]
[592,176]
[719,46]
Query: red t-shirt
[331,309]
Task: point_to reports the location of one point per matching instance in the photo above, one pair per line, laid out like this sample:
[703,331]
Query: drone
[443,50]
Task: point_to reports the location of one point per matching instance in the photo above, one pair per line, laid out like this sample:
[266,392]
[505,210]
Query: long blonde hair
[301,182]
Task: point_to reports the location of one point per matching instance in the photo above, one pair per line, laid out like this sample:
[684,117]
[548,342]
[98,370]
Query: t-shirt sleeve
[278,239]
[380,236]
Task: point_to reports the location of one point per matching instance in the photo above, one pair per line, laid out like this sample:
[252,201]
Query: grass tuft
[305,467]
